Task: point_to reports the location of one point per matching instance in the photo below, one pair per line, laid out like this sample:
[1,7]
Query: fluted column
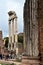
[27,27]
[12,34]
[13,31]
[30,28]
[16,31]
[9,34]
[16,27]
[16,37]
[12,17]
[34,28]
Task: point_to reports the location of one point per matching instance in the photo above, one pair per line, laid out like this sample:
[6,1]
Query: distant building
[2,43]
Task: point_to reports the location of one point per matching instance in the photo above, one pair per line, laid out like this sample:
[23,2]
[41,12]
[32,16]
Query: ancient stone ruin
[33,31]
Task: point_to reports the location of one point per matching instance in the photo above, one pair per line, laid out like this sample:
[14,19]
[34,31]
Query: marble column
[16,37]
[12,33]
[27,27]
[12,18]
[9,45]
[34,28]
[16,31]
[30,28]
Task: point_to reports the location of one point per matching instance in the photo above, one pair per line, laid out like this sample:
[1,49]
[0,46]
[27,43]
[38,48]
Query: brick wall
[40,13]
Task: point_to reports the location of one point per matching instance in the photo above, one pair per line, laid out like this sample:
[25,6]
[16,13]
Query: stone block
[30,60]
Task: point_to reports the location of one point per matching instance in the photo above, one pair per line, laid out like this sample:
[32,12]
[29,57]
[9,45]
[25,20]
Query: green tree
[6,41]
[20,39]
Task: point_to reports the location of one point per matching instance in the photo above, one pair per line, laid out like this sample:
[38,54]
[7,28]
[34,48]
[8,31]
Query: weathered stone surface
[30,61]
[31,27]
[33,32]
[27,26]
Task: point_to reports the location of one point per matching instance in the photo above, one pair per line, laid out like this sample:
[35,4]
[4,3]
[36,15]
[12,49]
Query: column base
[26,60]
[11,47]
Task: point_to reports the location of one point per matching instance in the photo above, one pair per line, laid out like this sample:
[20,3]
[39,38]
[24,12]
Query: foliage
[6,42]
[20,39]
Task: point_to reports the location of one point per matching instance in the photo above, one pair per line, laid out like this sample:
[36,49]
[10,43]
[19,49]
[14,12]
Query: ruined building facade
[33,28]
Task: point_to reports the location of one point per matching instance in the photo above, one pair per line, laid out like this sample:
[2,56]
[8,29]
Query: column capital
[12,20]
[9,19]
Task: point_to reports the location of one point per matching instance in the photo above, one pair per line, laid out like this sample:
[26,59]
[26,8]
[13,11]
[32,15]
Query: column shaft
[9,31]
[12,31]
[16,37]
[16,30]
[34,28]
[9,45]
[30,28]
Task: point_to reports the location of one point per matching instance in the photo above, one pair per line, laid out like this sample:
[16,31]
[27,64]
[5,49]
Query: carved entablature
[12,15]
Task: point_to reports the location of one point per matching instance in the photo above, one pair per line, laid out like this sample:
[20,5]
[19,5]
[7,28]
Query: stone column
[12,33]
[12,16]
[9,35]
[16,31]
[16,37]
[30,28]
[34,28]
[27,27]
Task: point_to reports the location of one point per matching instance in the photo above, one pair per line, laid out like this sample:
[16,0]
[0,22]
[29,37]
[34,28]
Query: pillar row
[12,21]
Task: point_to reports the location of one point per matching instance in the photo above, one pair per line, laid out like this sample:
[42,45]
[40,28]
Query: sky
[5,7]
